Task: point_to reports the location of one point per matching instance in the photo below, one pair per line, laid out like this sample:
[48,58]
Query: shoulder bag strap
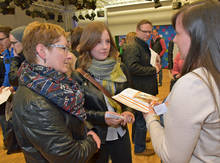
[93,81]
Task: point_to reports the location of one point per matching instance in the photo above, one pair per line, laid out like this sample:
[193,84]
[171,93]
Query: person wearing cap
[15,37]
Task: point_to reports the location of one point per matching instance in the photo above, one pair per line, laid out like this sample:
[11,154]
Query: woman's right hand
[112,121]
[95,137]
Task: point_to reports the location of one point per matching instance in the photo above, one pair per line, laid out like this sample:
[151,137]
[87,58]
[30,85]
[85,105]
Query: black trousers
[118,150]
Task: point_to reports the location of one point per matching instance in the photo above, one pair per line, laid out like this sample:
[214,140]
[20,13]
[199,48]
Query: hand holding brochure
[135,99]
[114,116]
[4,95]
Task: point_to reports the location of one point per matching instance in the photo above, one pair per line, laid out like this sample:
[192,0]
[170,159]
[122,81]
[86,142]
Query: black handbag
[10,141]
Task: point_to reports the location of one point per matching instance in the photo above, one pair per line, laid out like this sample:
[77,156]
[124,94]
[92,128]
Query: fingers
[128,117]
[95,138]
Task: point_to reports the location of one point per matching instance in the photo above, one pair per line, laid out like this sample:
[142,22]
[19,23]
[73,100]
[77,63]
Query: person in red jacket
[158,45]
[177,68]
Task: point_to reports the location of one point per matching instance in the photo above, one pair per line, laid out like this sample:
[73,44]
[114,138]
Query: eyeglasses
[1,39]
[145,31]
[14,42]
[65,48]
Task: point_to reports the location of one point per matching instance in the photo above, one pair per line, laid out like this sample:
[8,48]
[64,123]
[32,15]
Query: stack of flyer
[4,95]
[135,99]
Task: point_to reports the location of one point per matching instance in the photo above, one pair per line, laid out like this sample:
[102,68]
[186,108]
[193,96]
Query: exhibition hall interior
[120,18]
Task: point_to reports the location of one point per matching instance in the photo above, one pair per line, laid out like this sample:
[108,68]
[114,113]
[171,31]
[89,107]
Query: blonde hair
[130,37]
[39,33]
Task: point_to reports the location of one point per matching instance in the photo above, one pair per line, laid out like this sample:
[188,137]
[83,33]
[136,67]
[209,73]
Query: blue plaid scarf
[55,86]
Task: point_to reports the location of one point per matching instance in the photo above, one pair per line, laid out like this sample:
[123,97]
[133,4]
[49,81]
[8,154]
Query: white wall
[122,20]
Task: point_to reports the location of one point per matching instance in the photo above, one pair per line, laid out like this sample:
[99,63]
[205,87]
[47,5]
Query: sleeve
[96,117]
[6,60]
[52,138]
[15,64]
[183,121]
[163,45]
[133,59]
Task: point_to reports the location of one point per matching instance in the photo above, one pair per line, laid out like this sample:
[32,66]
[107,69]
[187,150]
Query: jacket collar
[142,43]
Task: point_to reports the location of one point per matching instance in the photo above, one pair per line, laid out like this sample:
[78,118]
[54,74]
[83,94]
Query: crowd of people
[62,86]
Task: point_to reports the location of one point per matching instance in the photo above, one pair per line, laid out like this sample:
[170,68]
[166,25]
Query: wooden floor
[163,92]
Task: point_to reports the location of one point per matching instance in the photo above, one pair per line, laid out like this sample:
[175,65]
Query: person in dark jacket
[15,37]
[5,67]
[98,58]
[137,57]
[48,114]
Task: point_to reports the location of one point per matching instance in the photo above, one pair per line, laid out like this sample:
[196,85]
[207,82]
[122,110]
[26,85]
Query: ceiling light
[60,19]
[75,18]
[157,3]
[93,15]
[176,5]
[81,17]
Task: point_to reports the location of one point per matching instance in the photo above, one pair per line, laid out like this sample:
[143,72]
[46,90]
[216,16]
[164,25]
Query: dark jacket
[95,104]
[2,75]
[156,46]
[15,65]
[136,57]
[2,70]
[47,133]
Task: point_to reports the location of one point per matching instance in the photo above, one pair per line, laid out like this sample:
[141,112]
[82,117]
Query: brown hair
[201,21]
[130,37]
[90,37]
[39,33]
[75,37]
[144,21]
[6,30]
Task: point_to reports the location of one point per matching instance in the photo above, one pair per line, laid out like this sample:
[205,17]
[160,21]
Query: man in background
[158,45]
[5,68]
[137,58]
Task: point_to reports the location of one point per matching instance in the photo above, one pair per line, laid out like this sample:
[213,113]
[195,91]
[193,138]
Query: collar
[141,42]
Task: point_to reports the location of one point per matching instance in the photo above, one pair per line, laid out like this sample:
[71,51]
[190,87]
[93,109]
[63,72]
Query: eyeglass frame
[14,42]
[150,32]
[65,48]
[1,39]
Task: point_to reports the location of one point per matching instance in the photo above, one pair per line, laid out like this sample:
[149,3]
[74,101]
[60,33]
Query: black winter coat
[95,104]
[136,57]
[46,133]
[2,75]
[15,65]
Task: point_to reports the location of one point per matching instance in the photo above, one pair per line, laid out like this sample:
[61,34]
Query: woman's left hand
[128,118]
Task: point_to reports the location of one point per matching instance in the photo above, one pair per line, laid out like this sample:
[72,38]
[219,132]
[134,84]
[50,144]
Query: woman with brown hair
[130,37]
[98,59]
[192,120]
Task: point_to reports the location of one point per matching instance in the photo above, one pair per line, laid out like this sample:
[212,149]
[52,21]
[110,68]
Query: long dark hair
[201,21]
[89,39]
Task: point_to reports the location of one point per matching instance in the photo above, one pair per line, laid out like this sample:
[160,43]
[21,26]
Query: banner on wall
[166,32]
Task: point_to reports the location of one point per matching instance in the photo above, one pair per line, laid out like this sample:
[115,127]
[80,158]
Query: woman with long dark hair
[192,121]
